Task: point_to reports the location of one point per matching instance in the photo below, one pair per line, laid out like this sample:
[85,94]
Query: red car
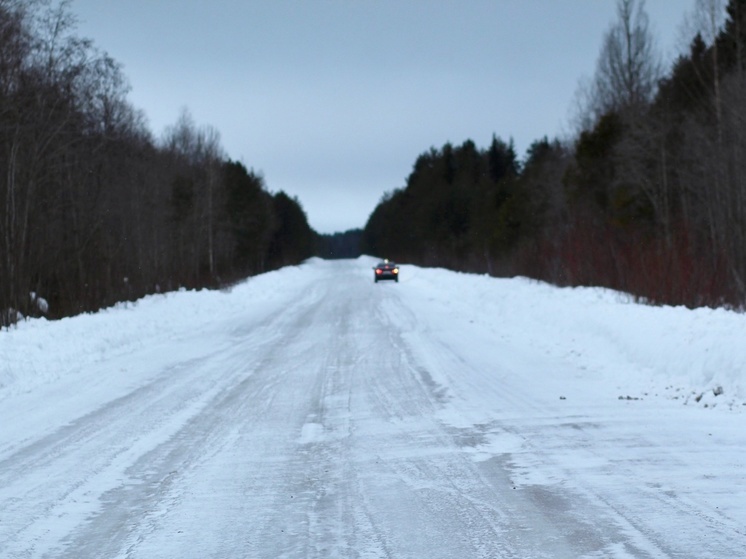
[386,271]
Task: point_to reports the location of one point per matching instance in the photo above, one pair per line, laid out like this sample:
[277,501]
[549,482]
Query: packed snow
[309,412]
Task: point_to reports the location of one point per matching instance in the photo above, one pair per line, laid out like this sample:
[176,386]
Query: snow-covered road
[310,413]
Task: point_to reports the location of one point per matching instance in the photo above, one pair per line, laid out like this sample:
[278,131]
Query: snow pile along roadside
[695,356]
[38,351]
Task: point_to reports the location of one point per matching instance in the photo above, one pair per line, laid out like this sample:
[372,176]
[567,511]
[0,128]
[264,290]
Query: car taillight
[396,270]
[378,271]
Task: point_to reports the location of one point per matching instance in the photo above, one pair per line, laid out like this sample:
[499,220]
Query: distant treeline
[94,210]
[649,198]
[339,245]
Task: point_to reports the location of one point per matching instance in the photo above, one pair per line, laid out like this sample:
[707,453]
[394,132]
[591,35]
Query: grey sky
[333,100]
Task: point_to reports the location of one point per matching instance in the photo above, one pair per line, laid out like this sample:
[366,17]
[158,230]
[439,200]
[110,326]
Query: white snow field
[310,413]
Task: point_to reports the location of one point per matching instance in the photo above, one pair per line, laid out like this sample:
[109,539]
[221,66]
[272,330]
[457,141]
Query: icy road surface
[310,413]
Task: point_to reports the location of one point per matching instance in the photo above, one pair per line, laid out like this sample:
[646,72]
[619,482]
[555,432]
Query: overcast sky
[333,100]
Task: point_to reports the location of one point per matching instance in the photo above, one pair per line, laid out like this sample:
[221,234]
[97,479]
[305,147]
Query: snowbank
[695,356]
[38,351]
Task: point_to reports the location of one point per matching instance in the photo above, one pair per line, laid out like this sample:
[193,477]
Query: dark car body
[386,271]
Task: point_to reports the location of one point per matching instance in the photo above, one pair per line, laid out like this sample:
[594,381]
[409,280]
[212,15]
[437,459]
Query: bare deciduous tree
[629,66]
